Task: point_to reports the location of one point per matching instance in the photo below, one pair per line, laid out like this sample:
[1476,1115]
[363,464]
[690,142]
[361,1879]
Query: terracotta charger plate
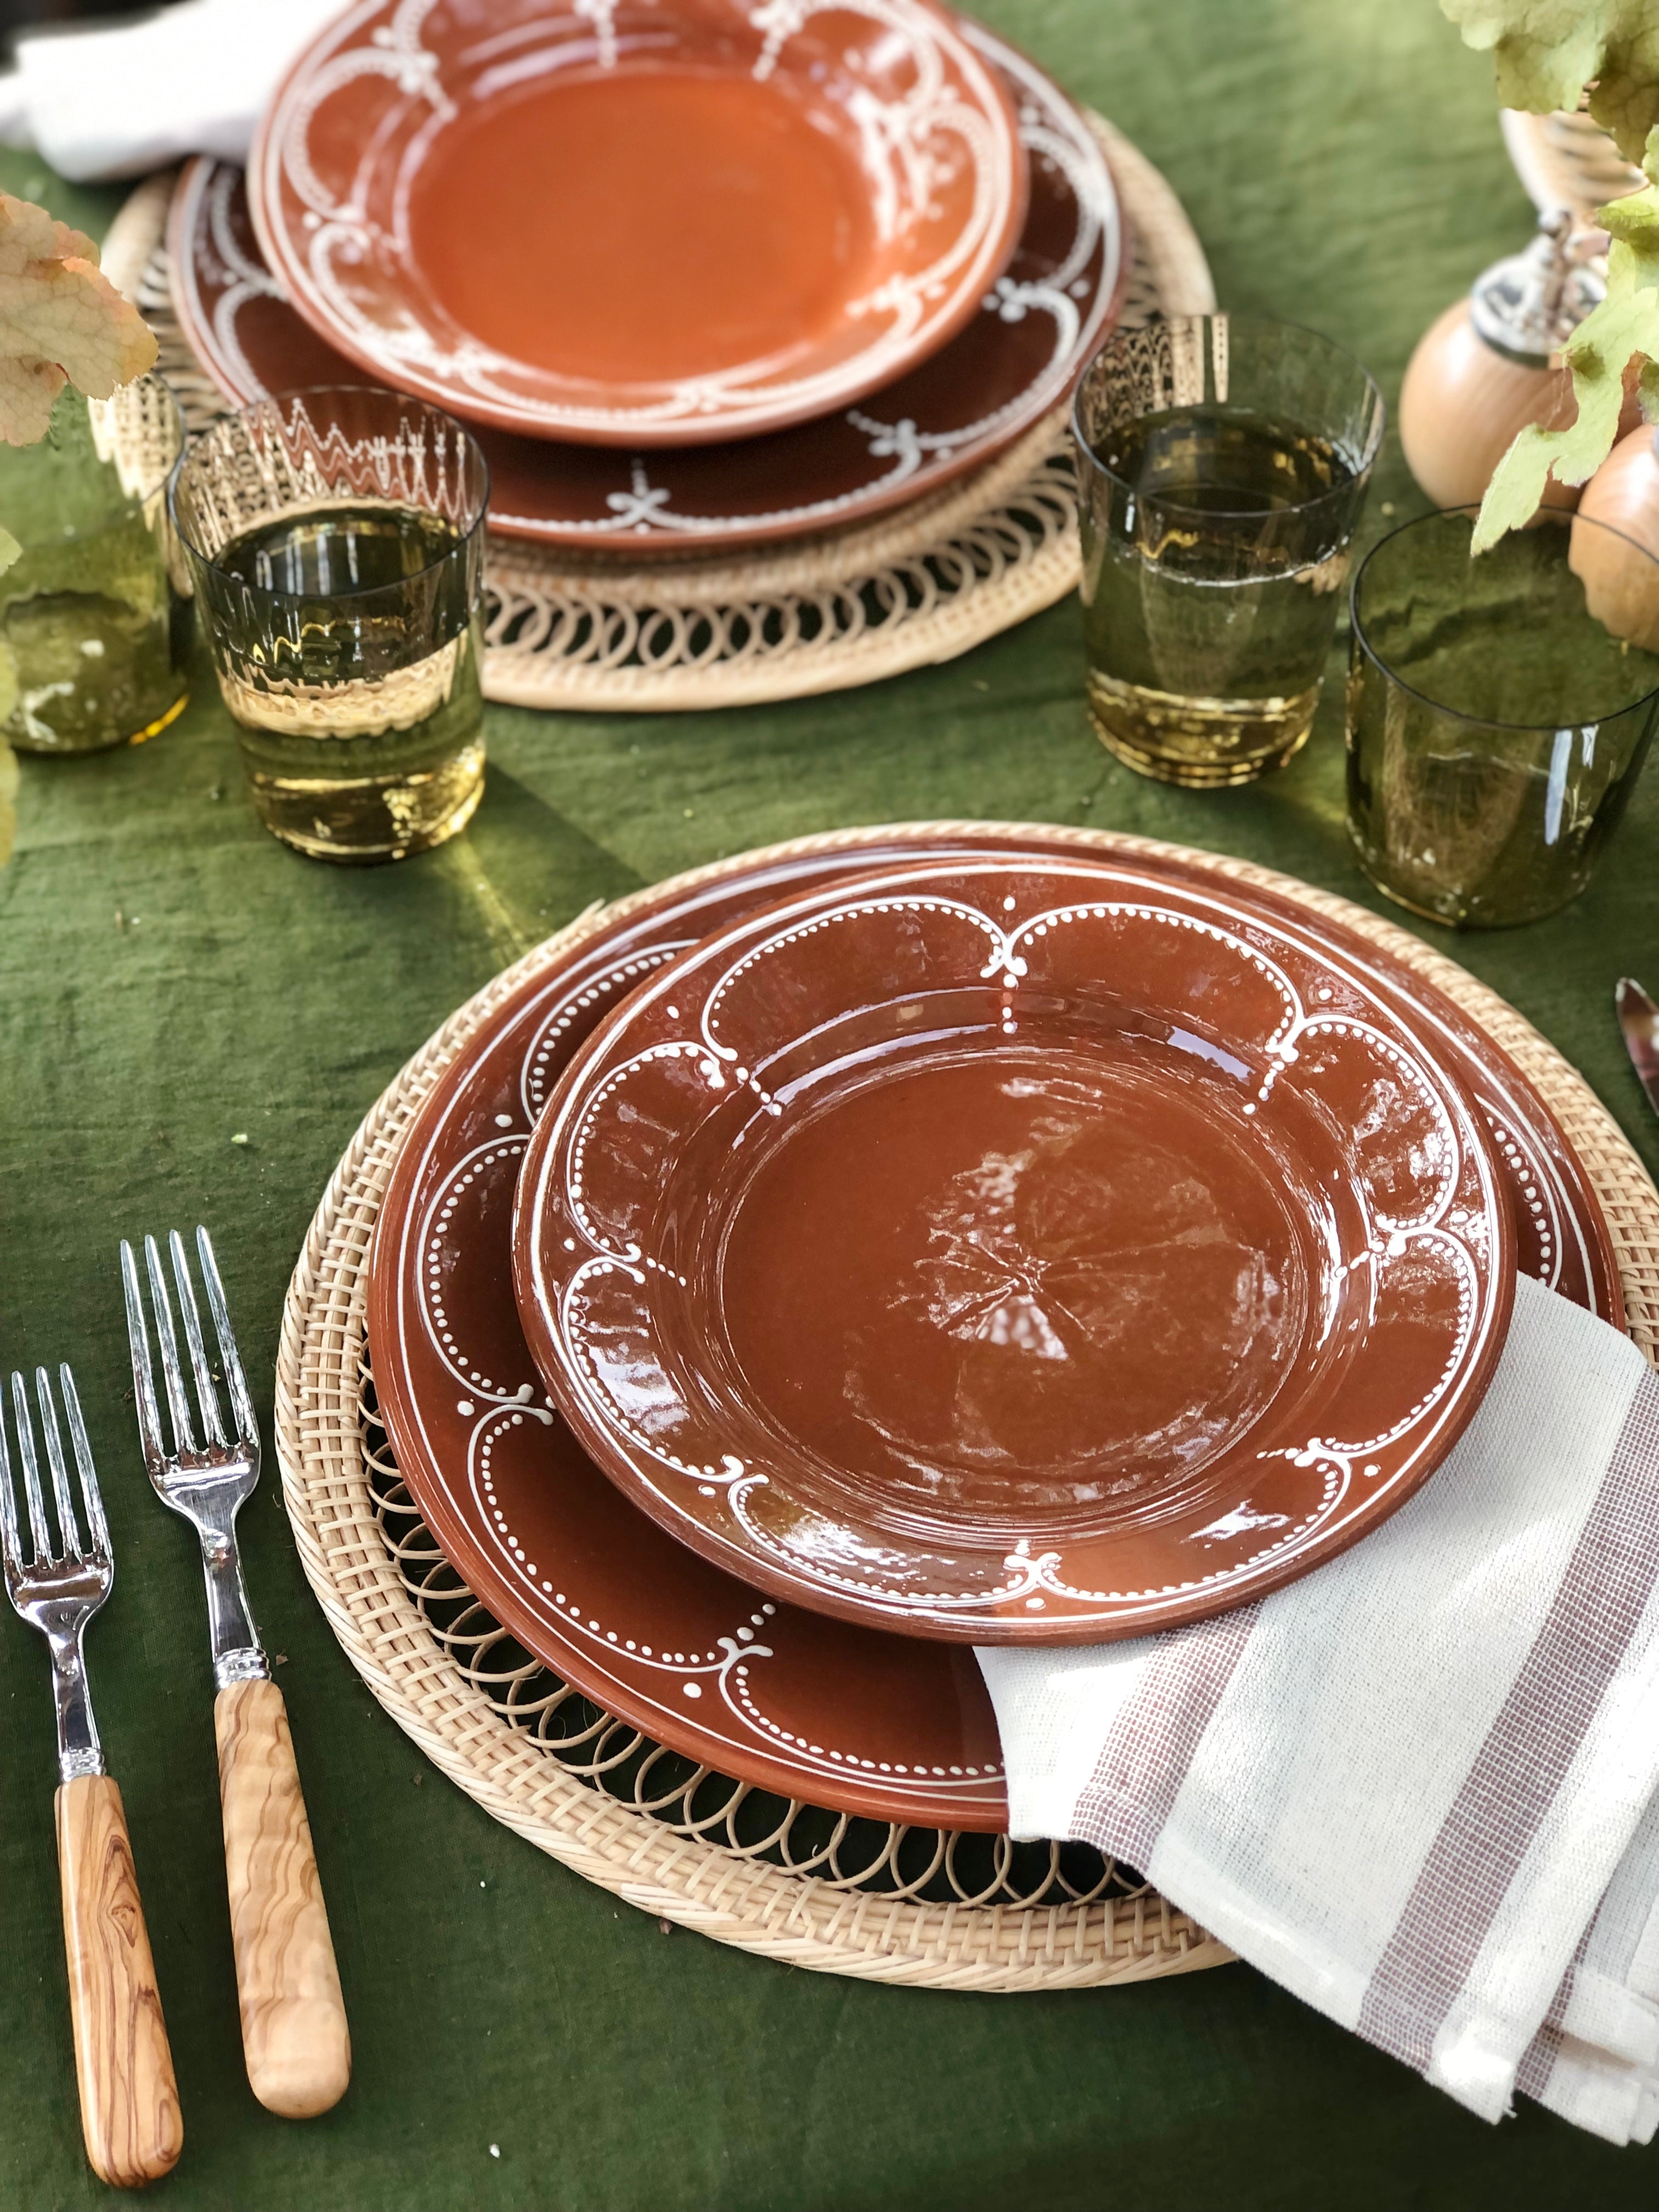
[1009,366]
[808,1705]
[1012,1251]
[639,222]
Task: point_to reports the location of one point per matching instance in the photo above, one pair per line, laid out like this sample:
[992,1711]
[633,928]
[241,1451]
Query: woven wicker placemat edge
[948,570]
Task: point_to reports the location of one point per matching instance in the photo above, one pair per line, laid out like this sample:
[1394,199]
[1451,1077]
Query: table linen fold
[1417,1787]
[119,99]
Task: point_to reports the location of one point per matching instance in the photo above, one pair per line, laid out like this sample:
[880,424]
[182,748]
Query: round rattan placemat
[918,585]
[789,1881]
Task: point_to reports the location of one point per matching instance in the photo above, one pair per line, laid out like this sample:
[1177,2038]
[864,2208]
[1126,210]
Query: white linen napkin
[1417,1787]
[126,98]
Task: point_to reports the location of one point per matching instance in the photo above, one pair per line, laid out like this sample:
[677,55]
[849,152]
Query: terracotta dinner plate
[1011,364]
[1012,1251]
[824,1710]
[639,222]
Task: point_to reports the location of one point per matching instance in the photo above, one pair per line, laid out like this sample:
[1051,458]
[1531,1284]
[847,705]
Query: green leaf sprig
[1547,53]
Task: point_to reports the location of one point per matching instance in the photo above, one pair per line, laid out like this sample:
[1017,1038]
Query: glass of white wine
[336,543]
[1223,463]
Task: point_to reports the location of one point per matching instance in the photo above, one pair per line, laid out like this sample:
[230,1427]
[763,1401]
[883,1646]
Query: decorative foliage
[1547,53]
[61,321]
[1625,327]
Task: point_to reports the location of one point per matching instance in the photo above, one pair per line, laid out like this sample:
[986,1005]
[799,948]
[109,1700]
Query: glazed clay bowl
[809,1706]
[640,222]
[1011,364]
[1013,1252]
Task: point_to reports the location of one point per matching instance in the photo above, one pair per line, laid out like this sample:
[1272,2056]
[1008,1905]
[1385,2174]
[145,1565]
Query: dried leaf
[1548,51]
[61,320]
[1625,326]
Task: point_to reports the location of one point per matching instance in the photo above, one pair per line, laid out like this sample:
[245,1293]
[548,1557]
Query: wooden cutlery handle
[294,2024]
[129,2112]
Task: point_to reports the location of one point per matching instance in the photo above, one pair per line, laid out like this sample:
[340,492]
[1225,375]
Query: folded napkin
[119,100]
[1417,1788]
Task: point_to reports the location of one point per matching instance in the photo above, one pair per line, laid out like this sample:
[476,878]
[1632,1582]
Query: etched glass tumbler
[336,542]
[1495,725]
[1222,462]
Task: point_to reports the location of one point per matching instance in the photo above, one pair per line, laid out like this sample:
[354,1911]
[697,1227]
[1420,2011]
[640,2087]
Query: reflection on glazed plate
[1015,1252]
[1012,365]
[639,222]
[811,1706]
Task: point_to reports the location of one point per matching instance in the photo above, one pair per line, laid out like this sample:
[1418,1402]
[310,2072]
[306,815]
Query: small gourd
[1491,364]
[1621,589]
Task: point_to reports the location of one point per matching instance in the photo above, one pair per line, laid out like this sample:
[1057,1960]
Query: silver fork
[130,2115]
[294,2037]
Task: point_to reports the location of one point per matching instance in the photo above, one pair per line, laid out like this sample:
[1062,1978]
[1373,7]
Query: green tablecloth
[169,977]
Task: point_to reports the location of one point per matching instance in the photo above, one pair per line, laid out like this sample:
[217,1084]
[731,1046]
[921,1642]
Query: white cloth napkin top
[121,99]
[1420,1787]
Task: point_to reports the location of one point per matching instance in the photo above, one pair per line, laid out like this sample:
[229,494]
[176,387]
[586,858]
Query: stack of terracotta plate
[701,274]
[937,1240]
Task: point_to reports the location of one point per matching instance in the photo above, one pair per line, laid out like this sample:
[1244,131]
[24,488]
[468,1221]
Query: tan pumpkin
[1461,404]
[1621,588]
[1491,364]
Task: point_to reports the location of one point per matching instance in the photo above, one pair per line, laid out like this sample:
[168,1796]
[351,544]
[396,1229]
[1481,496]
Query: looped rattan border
[340,1487]
[844,1851]
[919,585]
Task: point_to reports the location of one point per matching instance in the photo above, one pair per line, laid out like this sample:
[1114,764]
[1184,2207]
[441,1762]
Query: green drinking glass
[95,629]
[1495,725]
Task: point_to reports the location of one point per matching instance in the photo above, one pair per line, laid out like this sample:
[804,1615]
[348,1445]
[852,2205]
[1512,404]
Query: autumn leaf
[61,321]
[1548,51]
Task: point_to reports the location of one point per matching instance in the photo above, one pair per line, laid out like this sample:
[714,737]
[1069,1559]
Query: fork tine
[13,1551]
[171,1373]
[60,1487]
[103,1550]
[213,1428]
[247,1428]
[19,1407]
[144,1374]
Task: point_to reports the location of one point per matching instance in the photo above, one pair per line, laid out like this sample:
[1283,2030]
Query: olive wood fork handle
[129,2112]
[294,2025]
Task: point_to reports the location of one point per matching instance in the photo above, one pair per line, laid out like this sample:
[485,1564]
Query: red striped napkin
[1418,1787]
